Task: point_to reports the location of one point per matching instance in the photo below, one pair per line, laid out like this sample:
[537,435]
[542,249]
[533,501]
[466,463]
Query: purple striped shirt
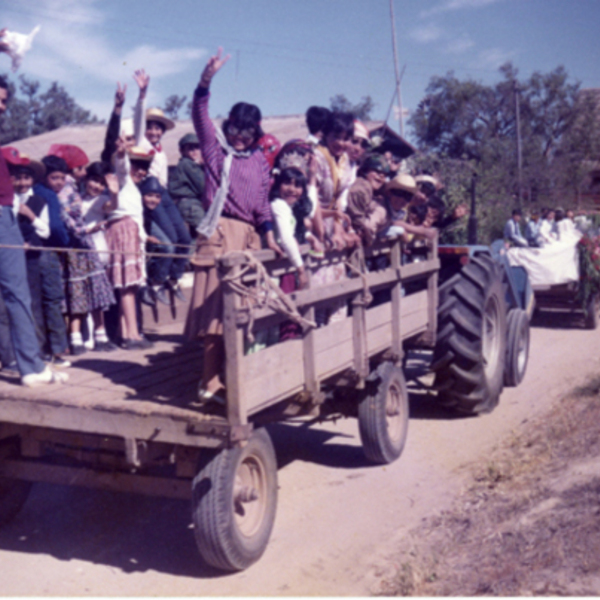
[248,197]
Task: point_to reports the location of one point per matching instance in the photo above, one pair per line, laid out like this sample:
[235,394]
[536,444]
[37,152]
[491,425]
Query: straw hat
[15,158]
[156,114]
[426,179]
[402,181]
[360,131]
[139,153]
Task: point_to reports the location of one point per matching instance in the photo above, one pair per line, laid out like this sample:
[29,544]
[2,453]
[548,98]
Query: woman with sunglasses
[236,204]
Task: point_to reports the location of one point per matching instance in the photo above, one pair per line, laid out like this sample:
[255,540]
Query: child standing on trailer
[124,237]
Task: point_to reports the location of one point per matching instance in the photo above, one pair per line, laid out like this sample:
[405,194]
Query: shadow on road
[128,532]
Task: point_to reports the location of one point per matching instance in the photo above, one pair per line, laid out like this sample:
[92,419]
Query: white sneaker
[45,377]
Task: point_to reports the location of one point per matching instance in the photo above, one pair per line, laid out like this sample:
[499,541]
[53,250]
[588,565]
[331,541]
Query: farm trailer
[222,458]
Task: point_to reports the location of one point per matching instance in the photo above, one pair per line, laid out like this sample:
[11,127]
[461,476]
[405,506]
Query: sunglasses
[246,134]
[401,194]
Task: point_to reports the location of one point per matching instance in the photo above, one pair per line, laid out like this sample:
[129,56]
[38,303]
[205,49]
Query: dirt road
[338,518]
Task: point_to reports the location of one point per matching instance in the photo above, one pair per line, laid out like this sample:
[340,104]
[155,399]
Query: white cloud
[426,34]
[450,5]
[494,57]
[460,45]
[68,51]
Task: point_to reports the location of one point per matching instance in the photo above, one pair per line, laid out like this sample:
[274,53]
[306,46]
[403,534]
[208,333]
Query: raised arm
[139,122]
[114,125]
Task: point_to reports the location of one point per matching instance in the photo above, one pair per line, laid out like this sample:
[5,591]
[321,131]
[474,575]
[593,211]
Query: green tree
[173,104]
[31,112]
[362,110]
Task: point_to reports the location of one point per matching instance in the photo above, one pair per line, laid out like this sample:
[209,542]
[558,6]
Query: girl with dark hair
[236,204]
[88,289]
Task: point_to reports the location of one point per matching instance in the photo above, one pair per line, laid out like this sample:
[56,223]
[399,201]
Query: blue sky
[289,54]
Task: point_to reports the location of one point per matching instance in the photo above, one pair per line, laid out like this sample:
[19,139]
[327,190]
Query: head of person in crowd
[95,178]
[291,185]
[360,142]
[56,172]
[516,215]
[374,169]
[127,133]
[139,160]
[435,210]
[74,156]
[400,190]
[189,147]
[295,153]
[535,215]
[156,125]
[417,213]
[242,127]
[392,150]
[426,184]
[151,191]
[338,130]
[548,214]
[559,215]
[270,146]
[24,172]
[3,95]
[316,119]
[569,214]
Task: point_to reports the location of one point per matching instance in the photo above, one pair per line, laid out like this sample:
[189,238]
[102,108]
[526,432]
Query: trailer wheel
[383,415]
[234,500]
[591,312]
[517,347]
[470,353]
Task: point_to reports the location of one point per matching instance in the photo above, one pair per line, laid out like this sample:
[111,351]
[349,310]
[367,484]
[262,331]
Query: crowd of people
[544,227]
[102,237]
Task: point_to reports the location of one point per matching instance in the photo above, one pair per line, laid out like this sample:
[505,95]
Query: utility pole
[398,79]
[519,151]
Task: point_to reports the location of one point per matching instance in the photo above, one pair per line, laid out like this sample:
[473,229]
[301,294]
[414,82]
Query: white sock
[100,335]
[76,339]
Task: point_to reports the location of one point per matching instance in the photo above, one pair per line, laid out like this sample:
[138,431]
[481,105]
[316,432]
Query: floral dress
[87,287]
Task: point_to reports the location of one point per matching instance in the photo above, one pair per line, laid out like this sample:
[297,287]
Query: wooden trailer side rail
[259,380]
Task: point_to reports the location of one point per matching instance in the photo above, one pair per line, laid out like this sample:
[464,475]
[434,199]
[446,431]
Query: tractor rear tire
[470,353]
[517,347]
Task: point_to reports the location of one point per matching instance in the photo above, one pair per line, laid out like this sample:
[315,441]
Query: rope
[90,251]
[265,293]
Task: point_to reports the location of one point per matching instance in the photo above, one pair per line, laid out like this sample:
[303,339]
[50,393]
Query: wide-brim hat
[156,114]
[360,131]
[74,156]
[139,153]
[427,179]
[402,181]
[15,158]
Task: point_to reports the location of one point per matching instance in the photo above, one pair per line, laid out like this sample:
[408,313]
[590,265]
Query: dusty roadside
[527,523]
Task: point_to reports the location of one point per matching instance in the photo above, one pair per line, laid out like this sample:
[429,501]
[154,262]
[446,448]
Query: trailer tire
[383,414]
[234,501]
[591,312]
[470,353]
[517,347]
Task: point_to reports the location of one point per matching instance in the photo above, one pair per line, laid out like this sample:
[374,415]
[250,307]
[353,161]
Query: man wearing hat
[186,183]
[13,283]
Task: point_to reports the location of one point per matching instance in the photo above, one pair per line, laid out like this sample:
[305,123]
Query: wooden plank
[432,298]
[189,429]
[333,347]
[115,480]
[233,338]
[312,384]
[396,260]
[272,374]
